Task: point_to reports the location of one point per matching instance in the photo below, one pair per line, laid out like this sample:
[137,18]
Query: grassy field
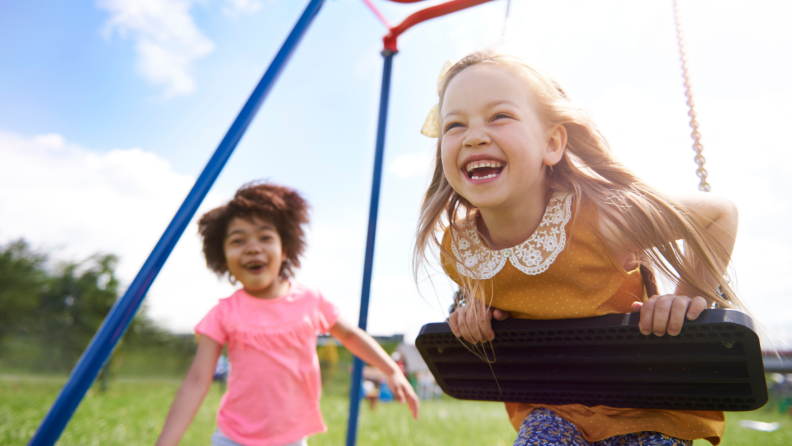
[132,411]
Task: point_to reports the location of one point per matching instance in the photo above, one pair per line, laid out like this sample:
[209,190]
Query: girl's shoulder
[226,305]
[304,296]
[302,291]
[225,302]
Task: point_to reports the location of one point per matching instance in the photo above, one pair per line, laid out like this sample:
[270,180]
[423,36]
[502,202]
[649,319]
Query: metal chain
[696,135]
[506,20]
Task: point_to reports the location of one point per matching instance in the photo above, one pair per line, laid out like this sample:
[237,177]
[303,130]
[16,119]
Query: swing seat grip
[715,363]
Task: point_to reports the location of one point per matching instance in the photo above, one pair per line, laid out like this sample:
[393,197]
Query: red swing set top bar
[390,40]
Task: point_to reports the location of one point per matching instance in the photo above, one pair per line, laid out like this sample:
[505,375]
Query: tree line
[50,311]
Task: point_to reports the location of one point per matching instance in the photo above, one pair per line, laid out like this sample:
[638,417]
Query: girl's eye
[452,126]
[501,116]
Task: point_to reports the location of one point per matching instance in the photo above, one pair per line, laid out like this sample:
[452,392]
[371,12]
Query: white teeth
[492,175]
[476,165]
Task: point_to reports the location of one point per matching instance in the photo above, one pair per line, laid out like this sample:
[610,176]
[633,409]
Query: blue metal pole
[123,311]
[357,369]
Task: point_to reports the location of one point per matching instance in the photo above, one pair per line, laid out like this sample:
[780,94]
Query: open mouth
[254,267]
[481,170]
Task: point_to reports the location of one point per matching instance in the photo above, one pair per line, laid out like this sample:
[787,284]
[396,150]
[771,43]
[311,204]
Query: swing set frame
[120,316]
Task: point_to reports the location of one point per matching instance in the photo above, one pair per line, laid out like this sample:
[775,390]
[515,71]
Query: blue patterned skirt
[542,427]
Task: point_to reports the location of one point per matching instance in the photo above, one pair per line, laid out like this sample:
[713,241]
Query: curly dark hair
[280,205]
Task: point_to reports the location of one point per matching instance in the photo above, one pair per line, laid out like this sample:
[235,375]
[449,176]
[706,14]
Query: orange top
[564,271]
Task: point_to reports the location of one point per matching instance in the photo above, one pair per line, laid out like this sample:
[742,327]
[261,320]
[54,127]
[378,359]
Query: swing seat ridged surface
[715,363]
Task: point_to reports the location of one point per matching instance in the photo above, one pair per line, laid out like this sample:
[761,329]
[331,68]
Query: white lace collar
[532,256]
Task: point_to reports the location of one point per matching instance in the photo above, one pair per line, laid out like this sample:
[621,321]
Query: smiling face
[494,146]
[254,254]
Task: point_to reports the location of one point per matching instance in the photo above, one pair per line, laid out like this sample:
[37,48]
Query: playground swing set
[714,364]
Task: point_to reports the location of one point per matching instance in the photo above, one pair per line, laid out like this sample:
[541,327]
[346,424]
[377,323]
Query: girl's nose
[253,247]
[476,138]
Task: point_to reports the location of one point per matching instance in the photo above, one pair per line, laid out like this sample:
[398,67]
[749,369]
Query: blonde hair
[589,170]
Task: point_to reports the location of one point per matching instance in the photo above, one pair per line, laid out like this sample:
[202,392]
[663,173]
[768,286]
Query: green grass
[734,435]
[129,413]
[132,412]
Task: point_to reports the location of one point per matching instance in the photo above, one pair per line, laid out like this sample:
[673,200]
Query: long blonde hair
[589,170]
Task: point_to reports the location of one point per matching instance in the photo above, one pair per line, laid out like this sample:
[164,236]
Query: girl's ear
[556,144]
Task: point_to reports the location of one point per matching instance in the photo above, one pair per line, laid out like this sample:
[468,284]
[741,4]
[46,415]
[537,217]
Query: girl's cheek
[449,147]
[449,172]
[448,159]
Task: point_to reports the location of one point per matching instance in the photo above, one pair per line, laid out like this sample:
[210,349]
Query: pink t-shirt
[274,385]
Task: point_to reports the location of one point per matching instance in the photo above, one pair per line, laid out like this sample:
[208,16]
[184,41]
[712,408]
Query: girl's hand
[473,322]
[366,348]
[403,392]
[665,314]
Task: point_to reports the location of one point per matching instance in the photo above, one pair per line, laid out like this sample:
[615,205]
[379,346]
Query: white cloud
[77,202]
[235,7]
[167,40]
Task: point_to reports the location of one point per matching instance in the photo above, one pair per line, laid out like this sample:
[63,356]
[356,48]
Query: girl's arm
[666,313]
[191,393]
[720,218]
[362,345]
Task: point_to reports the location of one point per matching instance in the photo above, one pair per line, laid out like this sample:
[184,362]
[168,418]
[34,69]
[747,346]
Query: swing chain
[696,135]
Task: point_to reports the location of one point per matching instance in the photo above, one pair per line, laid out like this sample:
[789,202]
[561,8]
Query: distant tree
[79,296]
[49,313]
[22,281]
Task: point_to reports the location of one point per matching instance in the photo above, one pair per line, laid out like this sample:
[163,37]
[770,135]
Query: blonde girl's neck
[513,223]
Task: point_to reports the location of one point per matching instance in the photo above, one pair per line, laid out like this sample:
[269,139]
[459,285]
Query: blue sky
[110,109]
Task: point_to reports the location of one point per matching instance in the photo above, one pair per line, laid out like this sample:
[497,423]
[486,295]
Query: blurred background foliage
[49,312]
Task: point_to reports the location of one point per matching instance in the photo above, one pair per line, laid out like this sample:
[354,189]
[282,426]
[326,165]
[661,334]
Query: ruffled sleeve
[212,325]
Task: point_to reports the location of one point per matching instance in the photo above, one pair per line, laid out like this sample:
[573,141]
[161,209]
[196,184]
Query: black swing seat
[715,363]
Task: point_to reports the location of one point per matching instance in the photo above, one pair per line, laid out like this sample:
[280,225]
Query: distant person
[270,327]
[426,385]
[539,220]
[222,369]
[371,393]
[399,359]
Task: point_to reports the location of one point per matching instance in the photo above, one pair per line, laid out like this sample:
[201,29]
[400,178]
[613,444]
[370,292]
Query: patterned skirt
[542,427]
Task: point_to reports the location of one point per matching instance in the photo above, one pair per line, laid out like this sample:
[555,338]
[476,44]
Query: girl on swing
[540,221]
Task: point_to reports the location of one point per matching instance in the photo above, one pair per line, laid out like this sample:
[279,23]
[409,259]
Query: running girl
[269,327]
